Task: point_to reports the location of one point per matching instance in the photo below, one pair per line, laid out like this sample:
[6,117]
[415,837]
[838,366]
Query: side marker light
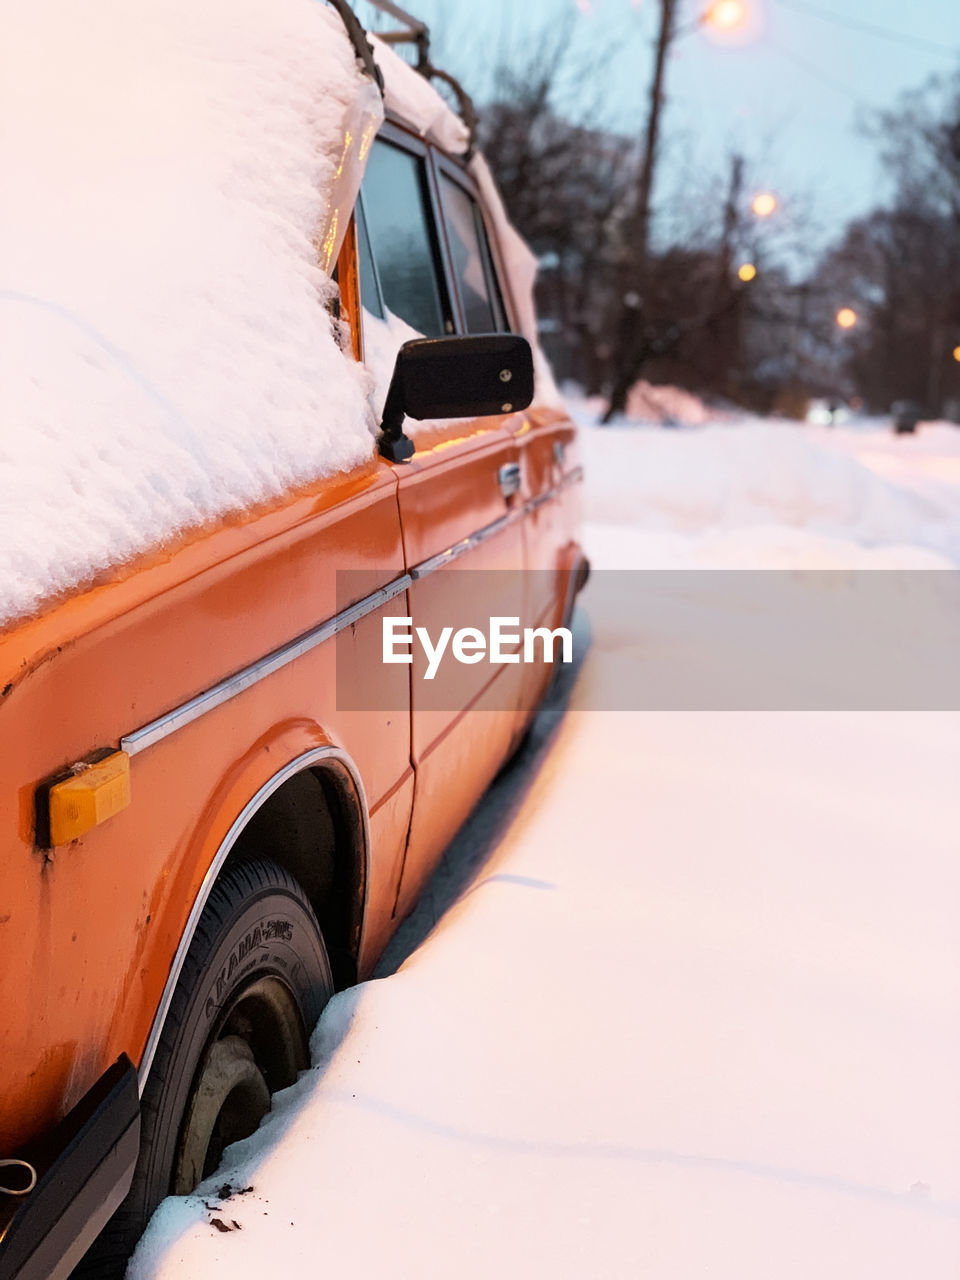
[95,793]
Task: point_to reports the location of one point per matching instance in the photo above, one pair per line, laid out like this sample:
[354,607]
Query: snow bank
[704,1028]
[772,494]
[167,356]
[698,1014]
[670,405]
[927,462]
[661,405]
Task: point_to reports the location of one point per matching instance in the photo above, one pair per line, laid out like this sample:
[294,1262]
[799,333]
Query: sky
[790,93]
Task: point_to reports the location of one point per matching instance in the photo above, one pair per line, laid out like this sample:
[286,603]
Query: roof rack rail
[417,33]
[358,38]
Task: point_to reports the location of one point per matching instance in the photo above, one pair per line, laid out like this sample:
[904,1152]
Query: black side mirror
[465,377]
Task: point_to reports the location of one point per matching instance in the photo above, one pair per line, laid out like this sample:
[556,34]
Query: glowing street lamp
[956,354]
[747,272]
[846,317]
[764,203]
[721,15]
[726,14]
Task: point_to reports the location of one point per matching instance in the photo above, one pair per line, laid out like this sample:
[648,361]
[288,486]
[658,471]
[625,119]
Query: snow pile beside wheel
[254,983]
[167,354]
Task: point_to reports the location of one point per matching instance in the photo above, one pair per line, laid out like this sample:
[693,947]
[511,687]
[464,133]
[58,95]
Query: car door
[423,273]
[548,458]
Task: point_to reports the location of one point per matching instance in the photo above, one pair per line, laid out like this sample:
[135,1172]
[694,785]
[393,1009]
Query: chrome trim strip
[165,725]
[442,558]
[295,766]
[185,714]
[572,477]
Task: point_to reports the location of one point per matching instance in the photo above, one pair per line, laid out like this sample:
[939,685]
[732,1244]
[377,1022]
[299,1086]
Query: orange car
[200,841]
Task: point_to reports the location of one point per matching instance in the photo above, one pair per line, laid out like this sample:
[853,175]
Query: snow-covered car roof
[411,97]
[167,357]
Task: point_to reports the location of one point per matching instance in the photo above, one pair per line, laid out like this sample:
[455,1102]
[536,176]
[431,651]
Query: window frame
[403,140]
[436,163]
[492,266]
[362,227]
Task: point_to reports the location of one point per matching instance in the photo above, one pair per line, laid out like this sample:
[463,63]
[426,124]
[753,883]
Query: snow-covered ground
[696,1008]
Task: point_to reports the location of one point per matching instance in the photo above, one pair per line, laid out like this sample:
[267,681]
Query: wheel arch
[322,779]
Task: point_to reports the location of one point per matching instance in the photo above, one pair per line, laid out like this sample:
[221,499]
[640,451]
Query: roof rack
[414,32]
[358,38]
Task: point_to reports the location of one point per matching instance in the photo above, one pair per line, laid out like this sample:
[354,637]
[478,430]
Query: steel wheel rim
[258,1047]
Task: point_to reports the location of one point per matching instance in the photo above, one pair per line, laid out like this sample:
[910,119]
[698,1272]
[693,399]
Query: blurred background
[754,201]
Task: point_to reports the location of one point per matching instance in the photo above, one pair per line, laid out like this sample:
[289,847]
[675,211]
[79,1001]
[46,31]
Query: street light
[725,14]
[747,272]
[764,203]
[722,15]
[956,354]
[847,317]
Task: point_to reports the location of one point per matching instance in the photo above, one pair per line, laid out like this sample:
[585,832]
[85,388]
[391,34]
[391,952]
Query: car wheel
[253,985]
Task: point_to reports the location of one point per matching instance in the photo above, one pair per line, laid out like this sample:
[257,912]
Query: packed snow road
[694,1009]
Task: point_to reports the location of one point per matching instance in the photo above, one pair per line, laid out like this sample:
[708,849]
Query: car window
[369,287]
[472,264]
[401,240]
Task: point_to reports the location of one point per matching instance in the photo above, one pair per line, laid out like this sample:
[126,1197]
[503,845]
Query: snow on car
[218,801]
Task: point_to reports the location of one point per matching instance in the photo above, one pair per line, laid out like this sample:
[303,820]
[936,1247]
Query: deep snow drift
[756,494]
[167,355]
[175,180]
[697,1015]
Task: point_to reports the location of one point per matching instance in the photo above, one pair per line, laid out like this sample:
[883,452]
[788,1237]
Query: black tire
[254,983]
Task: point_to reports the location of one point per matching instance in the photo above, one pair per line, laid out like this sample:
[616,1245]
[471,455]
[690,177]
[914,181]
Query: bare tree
[899,267]
[565,186]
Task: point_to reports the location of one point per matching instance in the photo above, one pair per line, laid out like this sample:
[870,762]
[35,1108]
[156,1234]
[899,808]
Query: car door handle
[509,479]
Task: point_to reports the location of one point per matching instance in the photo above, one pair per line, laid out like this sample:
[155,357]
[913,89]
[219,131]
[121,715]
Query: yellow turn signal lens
[90,797]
